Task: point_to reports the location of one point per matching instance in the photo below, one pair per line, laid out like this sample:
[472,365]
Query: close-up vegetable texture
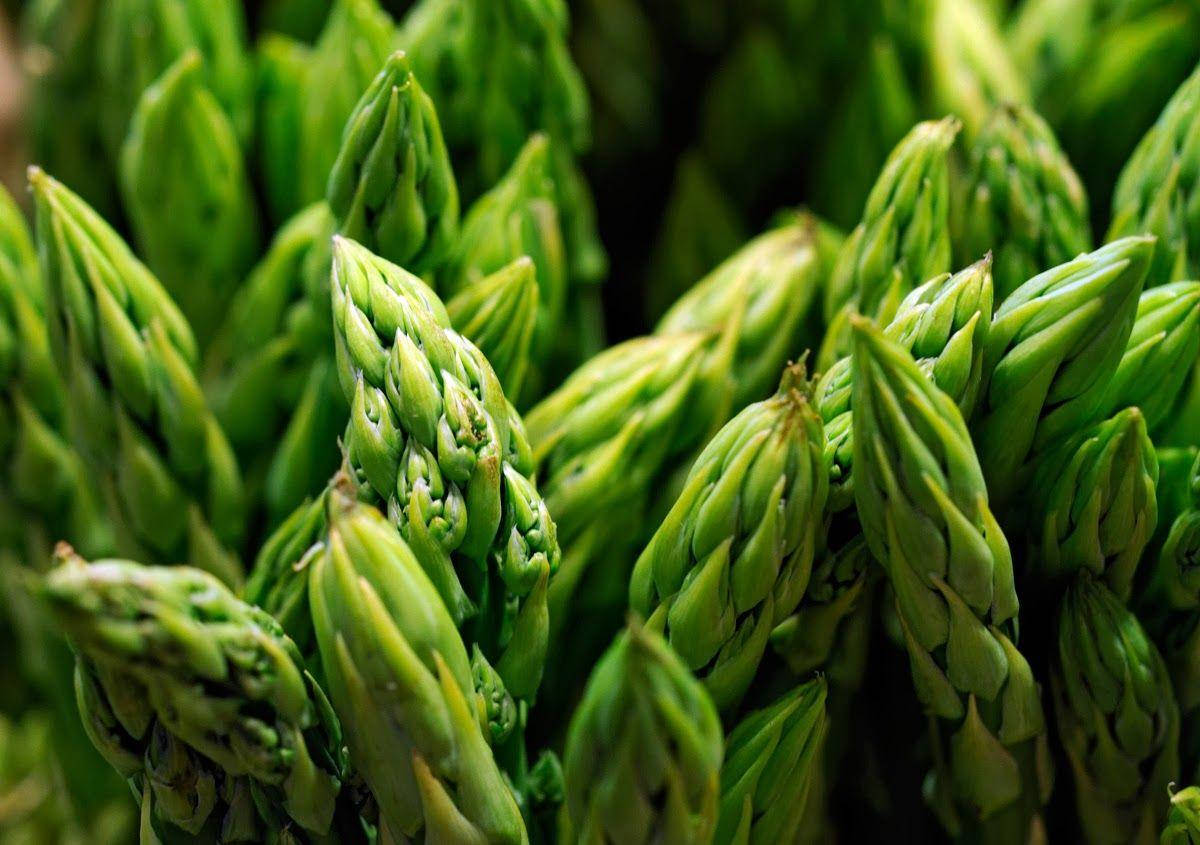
[599,422]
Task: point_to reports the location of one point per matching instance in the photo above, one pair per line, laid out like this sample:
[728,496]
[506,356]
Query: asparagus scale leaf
[1117,716]
[924,510]
[214,676]
[398,671]
[734,554]
[644,749]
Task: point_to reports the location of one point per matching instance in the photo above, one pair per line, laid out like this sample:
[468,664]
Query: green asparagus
[1163,346]
[970,70]
[1156,188]
[1054,344]
[944,324]
[136,40]
[182,153]
[644,750]
[1183,822]
[1093,504]
[734,555]
[137,417]
[392,186]
[430,435]
[768,289]
[270,372]
[924,510]
[517,217]
[1117,716]
[357,39]
[1020,199]
[624,420]
[499,314]
[771,760]
[399,674]
[903,237]
[218,675]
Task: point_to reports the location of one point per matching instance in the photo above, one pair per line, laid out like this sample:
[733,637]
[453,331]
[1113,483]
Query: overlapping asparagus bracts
[734,555]
[644,750]
[138,416]
[197,696]
[924,510]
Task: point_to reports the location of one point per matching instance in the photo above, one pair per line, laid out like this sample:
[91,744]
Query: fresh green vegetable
[902,239]
[644,749]
[392,187]
[944,324]
[1155,189]
[1162,349]
[1117,716]
[430,436]
[771,760]
[217,675]
[270,368]
[137,40]
[182,153]
[137,415]
[499,313]
[1183,822]
[1020,199]
[398,672]
[734,555]
[1093,503]
[1054,344]
[924,510]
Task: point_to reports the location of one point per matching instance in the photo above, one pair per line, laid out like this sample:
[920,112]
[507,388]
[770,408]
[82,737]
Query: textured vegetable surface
[582,422]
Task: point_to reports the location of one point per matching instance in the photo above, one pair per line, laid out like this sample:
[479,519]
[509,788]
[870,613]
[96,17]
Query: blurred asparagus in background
[182,153]
[139,420]
[1021,200]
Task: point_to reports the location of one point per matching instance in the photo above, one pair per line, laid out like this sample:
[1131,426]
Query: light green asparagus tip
[137,40]
[16,247]
[1054,345]
[431,435]
[1183,821]
[392,186]
[1117,716]
[734,555]
[398,670]
[357,38]
[26,360]
[1158,185]
[644,748]
[498,314]
[924,510]
[138,414]
[768,288]
[518,216]
[219,674]
[772,758]
[1159,356]
[944,324]
[969,66]
[182,153]
[903,236]
[1021,199]
[1093,503]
